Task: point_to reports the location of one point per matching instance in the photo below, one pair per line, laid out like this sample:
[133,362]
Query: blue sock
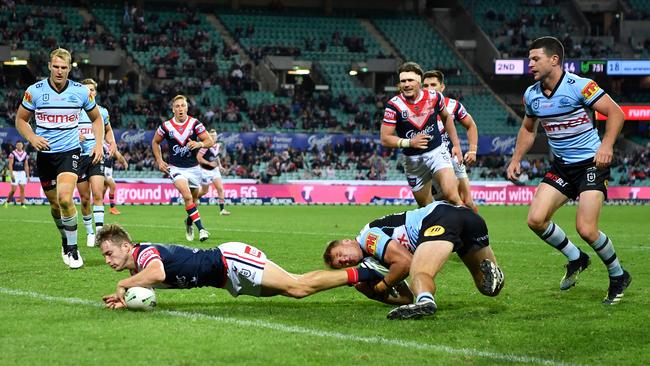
[555,236]
[605,250]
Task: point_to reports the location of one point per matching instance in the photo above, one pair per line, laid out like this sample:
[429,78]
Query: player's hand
[112,301]
[368,290]
[514,169]
[39,143]
[470,158]
[603,156]
[112,148]
[162,166]
[97,154]
[457,153]
[420,141]
[82,138]
[195,145]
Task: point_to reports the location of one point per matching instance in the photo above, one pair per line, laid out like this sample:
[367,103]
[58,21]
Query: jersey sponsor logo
[56,118]
[371,243]
[435,230]
[147,255]
[590,90]
[564,125]
[389,114]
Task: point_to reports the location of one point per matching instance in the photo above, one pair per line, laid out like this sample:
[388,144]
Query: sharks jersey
[569,127]
[439,220]
[178,135]
[185,267]
[86,129]
[57,113]
[419,117]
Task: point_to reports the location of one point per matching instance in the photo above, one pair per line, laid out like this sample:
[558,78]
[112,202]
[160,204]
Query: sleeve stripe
[596,99]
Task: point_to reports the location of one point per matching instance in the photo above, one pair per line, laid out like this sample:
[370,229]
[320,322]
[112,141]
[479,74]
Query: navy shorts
[87,169]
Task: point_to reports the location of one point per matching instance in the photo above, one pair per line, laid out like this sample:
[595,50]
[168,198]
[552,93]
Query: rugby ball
[140,298]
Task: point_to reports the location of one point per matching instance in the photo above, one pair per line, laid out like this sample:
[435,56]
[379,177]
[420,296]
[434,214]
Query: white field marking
[284,328]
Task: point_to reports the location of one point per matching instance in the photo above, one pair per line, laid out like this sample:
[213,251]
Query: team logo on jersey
[371,243]
[565,102]
[405,114]
[46,97]
[590,89]
[72,99]
[536,104]
[27,97]
[435,230]
[570,81]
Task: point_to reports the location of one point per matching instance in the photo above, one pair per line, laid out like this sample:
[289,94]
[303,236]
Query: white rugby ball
[140,298]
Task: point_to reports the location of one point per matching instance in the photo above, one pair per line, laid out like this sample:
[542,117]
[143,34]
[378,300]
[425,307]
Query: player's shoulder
[576,82]
[40,86]
[533,90]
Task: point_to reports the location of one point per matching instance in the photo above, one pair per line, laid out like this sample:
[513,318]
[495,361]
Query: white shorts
[108,172]
[20,178]
[419,169]
[192,175]
[461,173]
[208,176]
[245,268]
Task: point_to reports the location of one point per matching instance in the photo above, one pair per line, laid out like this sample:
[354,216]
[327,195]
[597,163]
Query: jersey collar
[557,86]
[67,83]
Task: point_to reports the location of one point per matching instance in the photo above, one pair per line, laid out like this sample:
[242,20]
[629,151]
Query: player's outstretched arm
[151,276]
[277,281]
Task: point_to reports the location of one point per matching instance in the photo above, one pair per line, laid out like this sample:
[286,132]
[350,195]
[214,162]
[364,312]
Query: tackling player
[211,171]
[239,268]
[55,104]
[435,81]
[181,133]
[91,176]
[580,168]
[413,115]
[18,165]
[431,233]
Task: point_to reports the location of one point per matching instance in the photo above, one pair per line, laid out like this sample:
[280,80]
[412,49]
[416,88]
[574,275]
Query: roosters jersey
[185,267]
[19,158]
[569,127]
[57,113]
[178,135]
[86,130]
[414,118]
[108,160]
[210,154]
[458,112]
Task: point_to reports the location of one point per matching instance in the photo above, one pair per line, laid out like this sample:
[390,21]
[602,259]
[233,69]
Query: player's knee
[536,224]
[587,232]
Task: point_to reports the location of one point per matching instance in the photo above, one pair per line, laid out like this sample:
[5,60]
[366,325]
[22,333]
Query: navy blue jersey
[178,135]
[108,160]
[419,117]
[210,154]
[19,158]
[185,267]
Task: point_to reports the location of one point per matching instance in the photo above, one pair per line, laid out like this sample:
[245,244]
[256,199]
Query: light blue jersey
[568,125]
[402,227]
[86,129]
[57,113]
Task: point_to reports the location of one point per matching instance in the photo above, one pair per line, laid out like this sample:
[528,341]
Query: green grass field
[52,315]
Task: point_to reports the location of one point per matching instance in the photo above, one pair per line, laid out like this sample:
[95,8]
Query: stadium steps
[386,47]
[227,37]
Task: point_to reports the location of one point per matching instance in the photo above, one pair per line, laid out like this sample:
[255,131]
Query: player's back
[185,267]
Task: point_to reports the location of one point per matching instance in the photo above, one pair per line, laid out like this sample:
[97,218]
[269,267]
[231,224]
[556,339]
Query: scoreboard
[577,66]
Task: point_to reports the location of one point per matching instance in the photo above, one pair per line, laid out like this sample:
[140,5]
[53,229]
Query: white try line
[284,328]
